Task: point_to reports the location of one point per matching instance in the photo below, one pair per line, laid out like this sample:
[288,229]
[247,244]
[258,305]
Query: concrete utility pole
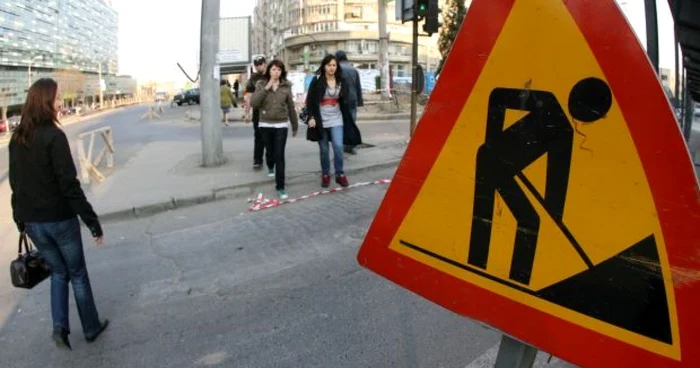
[210,100]
[384,85]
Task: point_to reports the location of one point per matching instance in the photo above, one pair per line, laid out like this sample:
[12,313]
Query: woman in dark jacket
[46,200]
[331,119]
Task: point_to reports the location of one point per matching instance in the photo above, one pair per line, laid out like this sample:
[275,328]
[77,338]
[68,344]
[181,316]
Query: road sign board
[230,56]
[548,191]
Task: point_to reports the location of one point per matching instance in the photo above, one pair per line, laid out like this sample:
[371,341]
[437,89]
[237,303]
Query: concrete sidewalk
[165,175]
[237,115]
[168,175]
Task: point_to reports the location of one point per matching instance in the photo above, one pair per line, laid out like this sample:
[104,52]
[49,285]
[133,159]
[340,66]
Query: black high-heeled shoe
[60,337]
[94,337]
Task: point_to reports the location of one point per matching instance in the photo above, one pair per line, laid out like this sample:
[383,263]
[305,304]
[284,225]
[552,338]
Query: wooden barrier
[154,111]
[88,167]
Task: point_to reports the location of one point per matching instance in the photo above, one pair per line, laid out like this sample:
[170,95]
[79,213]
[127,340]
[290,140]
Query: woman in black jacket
[331,119]
[46,200]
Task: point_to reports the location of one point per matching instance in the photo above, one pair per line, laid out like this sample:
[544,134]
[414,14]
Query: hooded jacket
[275,106]
[351,78]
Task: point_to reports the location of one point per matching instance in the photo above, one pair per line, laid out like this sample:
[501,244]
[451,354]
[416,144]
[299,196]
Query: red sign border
[672,182]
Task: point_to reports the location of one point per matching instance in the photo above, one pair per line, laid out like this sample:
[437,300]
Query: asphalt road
[217,286]
[121,121]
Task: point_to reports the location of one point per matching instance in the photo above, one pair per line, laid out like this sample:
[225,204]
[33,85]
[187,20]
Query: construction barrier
[88,167]
[261,203]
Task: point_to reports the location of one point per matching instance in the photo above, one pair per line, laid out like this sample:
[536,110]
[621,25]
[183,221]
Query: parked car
[188,97]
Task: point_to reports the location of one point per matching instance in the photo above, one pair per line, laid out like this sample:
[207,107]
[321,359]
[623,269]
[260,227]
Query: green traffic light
[421,7]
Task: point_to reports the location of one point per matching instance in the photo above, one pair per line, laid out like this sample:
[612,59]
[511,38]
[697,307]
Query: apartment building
[301,32]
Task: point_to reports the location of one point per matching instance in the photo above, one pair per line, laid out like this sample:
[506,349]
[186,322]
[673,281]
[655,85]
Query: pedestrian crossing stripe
[557,148]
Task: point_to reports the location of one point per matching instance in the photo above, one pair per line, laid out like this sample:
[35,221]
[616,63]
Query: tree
[72,83]
[452,21]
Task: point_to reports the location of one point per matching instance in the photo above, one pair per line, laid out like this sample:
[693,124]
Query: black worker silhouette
[504,155]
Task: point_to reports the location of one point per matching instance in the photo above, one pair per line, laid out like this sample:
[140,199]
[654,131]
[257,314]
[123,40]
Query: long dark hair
[279,64]
[321,72]
[38,110]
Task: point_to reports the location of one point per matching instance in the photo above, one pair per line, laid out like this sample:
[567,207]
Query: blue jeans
[60,243]
[336,136]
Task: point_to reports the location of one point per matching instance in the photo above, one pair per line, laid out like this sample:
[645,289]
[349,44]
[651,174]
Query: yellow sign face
[539,193]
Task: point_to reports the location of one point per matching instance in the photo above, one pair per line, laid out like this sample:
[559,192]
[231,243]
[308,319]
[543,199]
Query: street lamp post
[99,82]
[306,58]
[29,71]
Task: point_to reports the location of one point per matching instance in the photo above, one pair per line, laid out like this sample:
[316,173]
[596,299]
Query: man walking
[259,146]
[351,78]
[236,87]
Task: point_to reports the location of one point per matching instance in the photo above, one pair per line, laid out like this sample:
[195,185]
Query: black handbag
[304,115]
[313,134]
[30,268]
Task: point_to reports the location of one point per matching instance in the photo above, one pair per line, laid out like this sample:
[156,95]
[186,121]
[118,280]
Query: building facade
[69,40]
[301,32]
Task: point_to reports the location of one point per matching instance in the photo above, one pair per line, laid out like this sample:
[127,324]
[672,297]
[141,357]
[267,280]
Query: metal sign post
[414,78]
[515,354]
[652,33]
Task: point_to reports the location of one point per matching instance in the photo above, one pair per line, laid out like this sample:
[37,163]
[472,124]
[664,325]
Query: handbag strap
[23,239]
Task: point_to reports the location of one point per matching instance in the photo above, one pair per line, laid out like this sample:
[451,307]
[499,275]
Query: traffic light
[422,7]
[431,15]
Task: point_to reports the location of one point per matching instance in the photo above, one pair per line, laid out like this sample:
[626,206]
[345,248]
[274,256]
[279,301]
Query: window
[354,13]
[353,46]
[372,46]
[402,71]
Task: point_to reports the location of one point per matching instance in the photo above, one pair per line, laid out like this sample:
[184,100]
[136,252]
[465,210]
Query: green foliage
[453,16]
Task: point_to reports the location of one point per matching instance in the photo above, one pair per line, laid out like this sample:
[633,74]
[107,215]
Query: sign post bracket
[515,354]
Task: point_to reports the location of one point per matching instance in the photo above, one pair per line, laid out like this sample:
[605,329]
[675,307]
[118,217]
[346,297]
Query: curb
[224,193]
[399,116]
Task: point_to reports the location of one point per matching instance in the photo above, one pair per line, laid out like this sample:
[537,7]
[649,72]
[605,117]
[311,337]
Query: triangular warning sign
[548,191]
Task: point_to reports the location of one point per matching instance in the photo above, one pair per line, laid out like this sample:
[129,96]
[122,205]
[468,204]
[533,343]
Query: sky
[634,11]
[154,35]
